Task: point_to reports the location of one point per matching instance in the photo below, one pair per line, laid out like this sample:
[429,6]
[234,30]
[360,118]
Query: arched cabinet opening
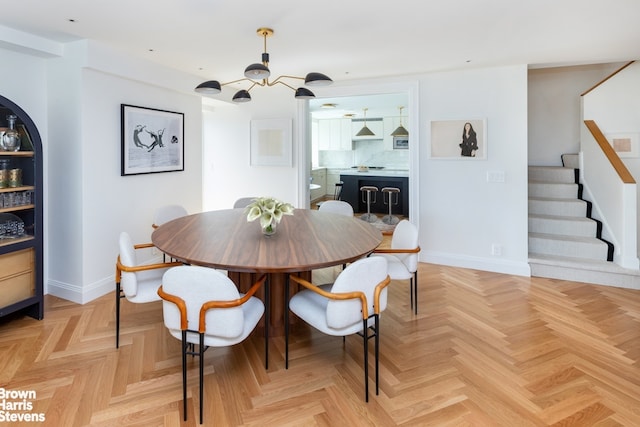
[21,222]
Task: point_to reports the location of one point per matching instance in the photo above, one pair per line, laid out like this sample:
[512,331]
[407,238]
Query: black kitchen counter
[351,192]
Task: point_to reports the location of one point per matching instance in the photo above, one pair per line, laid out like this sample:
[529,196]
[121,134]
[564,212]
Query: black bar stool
[393,196]
[367,191]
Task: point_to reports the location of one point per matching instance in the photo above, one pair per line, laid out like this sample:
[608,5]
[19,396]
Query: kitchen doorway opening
[334,152]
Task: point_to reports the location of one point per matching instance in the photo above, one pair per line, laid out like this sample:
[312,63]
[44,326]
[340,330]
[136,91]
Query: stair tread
[557,199]
[564,184]
[581,263]
[566,237]
[550,167]
[561,217]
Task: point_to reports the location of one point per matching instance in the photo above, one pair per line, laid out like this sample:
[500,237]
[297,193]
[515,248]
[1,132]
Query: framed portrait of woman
[459,139]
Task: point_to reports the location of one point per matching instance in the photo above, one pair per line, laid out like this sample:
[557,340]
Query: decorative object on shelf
[25,139]
[400,130]
[258,74]
[270,212]
[152,140]
[15,178]
[4,172]
[11,226]
[11,137]
[365,131]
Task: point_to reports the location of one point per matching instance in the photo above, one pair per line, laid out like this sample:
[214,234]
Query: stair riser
[552,174]
[571,161]
[563,227]
[583,250]
[564,191]
[561,208]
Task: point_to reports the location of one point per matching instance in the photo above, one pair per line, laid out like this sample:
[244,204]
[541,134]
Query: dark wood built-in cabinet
[21,257]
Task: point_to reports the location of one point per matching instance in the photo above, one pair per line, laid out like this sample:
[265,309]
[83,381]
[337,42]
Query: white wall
[228,174]
[462,216]
[75,101]
[554,97]
[615,107]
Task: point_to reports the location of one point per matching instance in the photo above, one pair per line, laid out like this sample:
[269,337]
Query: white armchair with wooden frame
[136,282]
[202,306]
[403,257]
[352,305]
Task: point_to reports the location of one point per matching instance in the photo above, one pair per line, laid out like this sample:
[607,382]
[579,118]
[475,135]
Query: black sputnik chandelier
[258,74]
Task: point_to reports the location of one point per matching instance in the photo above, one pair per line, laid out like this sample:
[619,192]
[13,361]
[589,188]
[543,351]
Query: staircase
[564,241]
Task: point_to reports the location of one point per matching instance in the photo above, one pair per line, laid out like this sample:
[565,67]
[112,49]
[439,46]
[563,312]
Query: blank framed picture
[271,142]
[624,144]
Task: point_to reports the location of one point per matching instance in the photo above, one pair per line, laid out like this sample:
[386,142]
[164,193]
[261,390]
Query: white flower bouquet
[270,212]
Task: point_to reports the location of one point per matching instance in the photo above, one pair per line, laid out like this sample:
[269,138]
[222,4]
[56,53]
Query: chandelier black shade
[258,75]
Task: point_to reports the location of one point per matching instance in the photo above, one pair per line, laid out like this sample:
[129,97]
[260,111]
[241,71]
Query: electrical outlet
[496,249]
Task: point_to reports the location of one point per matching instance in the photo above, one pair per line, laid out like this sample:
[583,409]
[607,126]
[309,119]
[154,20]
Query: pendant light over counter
[365,131]
[400,130]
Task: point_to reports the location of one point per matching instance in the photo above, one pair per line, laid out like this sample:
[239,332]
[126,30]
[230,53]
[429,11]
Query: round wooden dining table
[305,241]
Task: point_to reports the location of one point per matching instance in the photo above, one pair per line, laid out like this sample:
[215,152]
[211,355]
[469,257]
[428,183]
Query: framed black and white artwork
[152,140]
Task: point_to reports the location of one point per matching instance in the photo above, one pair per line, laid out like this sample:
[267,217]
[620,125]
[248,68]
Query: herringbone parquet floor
[485,349]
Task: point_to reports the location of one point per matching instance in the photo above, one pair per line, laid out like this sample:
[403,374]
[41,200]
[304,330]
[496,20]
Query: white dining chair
[403,257]
[336,206]
[352,305]
[167,213]
[203,307]
[243,202]
[135,281]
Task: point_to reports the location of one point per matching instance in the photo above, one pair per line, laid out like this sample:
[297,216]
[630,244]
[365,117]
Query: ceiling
[358,39]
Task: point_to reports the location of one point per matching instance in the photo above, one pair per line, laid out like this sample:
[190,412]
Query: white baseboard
[81,294]
[496,265]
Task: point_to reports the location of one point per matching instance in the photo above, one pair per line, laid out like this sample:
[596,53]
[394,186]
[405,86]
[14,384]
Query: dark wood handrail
[608,151]
[607,78]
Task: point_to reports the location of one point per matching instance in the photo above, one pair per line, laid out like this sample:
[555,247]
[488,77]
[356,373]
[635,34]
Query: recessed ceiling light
[349,115]
[328,105]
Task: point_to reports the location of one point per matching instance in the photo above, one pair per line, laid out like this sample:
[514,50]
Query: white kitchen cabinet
[319,176]
[334,134]
[376,125]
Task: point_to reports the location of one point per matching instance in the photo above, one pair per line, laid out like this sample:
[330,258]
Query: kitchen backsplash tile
[369,153]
